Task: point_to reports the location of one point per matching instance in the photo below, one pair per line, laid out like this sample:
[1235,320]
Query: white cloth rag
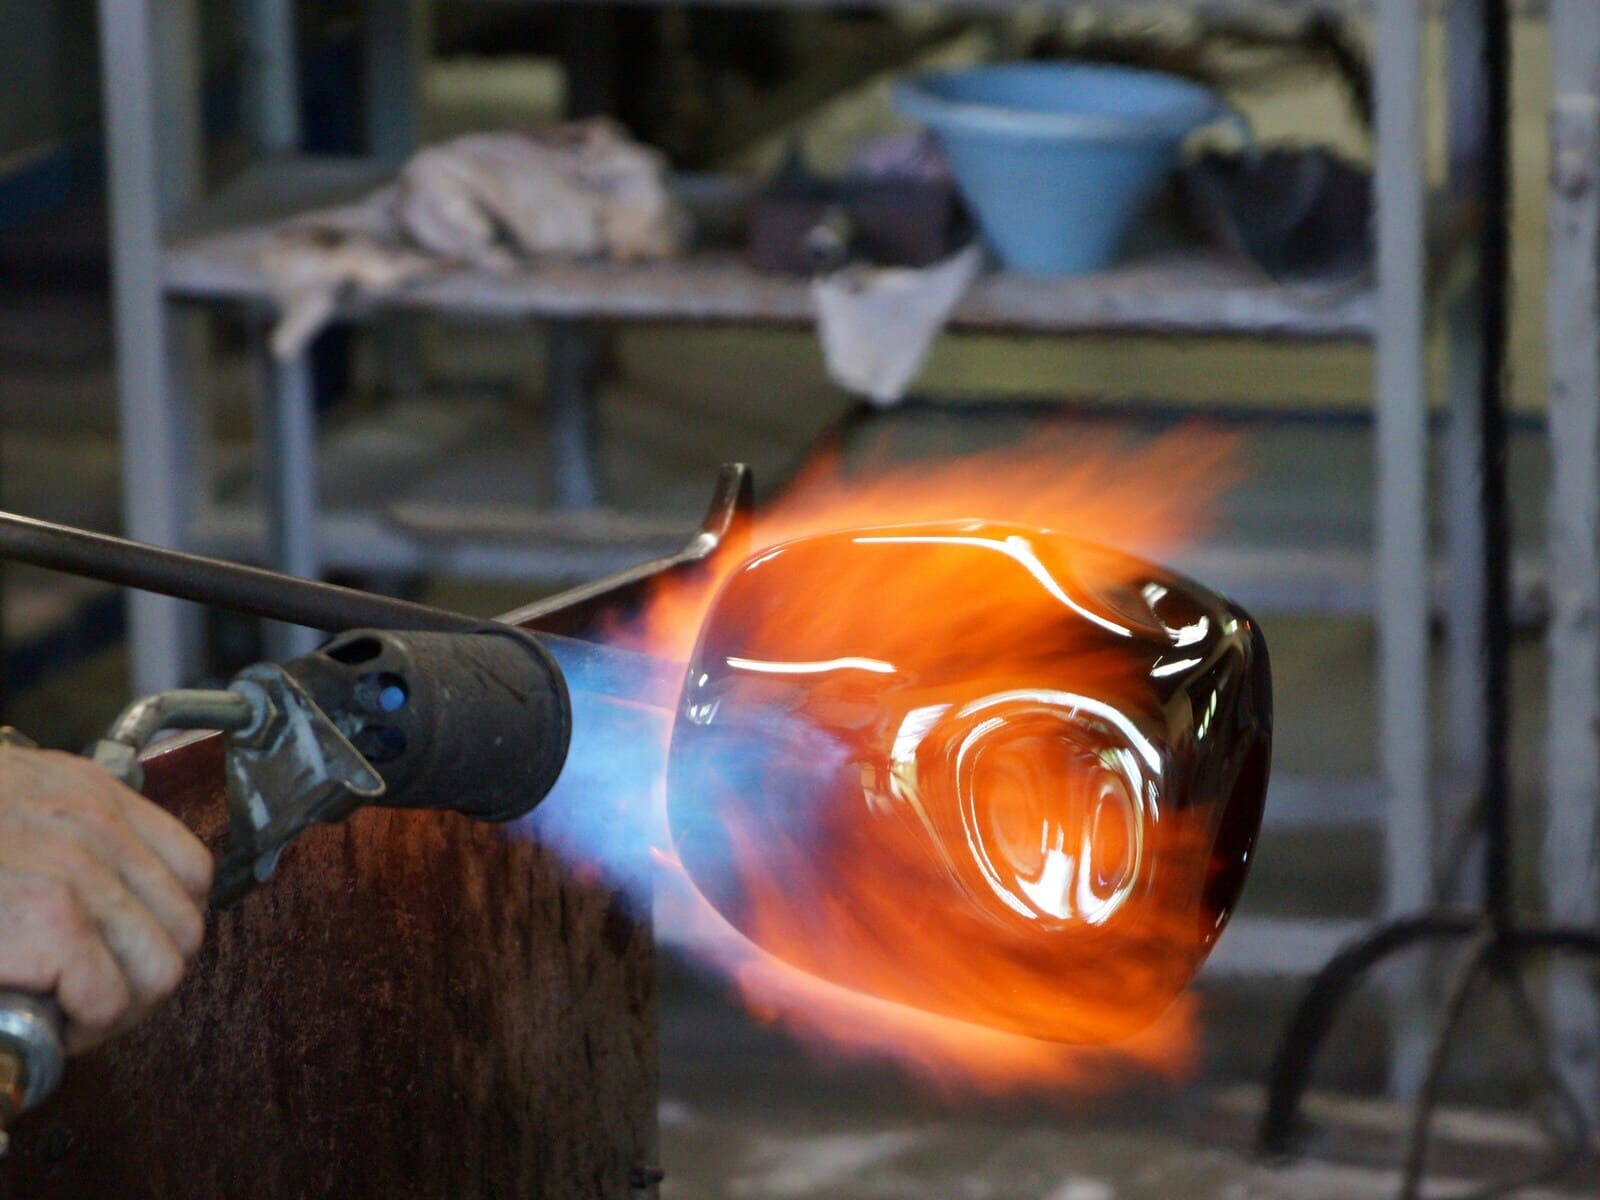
[490,201]
[878,324]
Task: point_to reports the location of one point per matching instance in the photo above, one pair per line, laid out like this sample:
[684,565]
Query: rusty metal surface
[419,1006]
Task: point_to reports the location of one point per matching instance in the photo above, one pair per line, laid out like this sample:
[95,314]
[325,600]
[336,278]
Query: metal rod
[623,675]
[153,159]
[1494,251]
[1571,872]
[1401,549]
[286,441]
[271,76]
[1458,846]
[725,530]
[245,589]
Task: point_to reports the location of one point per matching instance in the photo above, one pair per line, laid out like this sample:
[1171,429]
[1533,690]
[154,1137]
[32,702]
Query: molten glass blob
[984,770]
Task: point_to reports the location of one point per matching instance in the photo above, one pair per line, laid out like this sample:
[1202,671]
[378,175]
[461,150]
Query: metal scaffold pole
[1401,402]
[150,67]
[1572,752]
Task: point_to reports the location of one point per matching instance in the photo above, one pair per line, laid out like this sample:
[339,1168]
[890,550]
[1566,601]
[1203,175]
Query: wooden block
[417,1006]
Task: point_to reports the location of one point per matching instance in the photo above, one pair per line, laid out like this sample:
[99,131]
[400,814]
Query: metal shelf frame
[1185,292]
[182,246]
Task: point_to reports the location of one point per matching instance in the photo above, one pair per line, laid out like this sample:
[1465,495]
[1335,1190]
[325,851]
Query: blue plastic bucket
[1057,160]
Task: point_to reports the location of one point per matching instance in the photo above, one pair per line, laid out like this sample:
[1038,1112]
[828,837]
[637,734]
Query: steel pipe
[235,586]
[599,670]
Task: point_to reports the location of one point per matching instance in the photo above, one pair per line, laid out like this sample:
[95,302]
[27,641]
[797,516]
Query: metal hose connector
[181,709]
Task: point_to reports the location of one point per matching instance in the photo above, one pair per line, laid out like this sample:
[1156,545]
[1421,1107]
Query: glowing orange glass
[981,769]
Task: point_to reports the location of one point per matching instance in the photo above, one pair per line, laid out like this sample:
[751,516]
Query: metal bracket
[293,769]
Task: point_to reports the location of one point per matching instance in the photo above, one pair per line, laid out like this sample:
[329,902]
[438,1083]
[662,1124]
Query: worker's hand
[101,893]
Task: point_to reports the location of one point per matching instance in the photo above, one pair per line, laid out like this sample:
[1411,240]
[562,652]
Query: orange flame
[1154,496]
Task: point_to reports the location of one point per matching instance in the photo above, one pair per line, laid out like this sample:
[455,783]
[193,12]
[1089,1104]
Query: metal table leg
[272,84]
[1402,517]
[286,434]
[571,381]
[397,37]
[145,112]
[1572,754]
[398,40]
[1457,857]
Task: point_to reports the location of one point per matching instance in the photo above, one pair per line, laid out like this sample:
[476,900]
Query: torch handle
[32,1055]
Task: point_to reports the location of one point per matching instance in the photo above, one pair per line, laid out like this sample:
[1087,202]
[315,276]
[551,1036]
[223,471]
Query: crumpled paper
[877,325]
[490,201]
